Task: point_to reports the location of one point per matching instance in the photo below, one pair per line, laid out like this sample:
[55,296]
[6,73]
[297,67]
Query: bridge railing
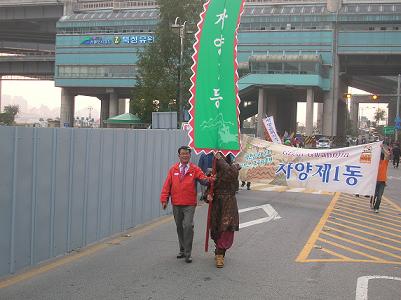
[264,2]
[28,2]
[35,56]
[114,5]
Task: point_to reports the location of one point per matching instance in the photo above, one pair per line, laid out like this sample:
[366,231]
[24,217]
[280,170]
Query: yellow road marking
[349,249]
[84,252]
[335,254]
[354,261]
[392,203]
[362,226]
[363,238]
[365,205]
[367,213]
[314,236]
[363,231]
[356,219]
[365,226]
[346,211]
[361,245]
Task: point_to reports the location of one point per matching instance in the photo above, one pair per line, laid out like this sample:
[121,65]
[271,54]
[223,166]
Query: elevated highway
[356,42]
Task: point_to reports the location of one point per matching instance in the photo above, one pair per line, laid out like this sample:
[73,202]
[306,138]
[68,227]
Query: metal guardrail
[28,57]
[270,2]
[29,2]
[49,77]
[114,5]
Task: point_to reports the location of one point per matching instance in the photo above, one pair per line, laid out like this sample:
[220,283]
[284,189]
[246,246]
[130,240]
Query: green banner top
[214,102]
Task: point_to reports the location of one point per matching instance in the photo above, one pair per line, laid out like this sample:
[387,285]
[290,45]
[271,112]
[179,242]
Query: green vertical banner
[214,93]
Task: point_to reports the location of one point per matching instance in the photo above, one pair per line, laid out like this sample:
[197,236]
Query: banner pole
[209,211]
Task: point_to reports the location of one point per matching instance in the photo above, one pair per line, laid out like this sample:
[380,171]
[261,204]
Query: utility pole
[181,28]
[398,108]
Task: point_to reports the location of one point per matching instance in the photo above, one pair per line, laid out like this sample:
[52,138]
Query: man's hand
[164,205]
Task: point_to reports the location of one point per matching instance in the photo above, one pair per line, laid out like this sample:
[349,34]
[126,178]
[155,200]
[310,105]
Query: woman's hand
[218,155]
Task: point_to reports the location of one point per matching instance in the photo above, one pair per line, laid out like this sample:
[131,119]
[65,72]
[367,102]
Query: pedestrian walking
[224,213]
[396,155]
[381,180]
[180,185]
[248,184]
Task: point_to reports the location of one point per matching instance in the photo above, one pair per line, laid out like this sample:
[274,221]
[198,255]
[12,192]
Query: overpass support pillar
[272,106]
[67,108]
[113,106]
[342,122]
[328,115]
[0,93]
[319,119]
[261,113]
[392,112]
[121,106]
[104,111]
[309,111]
[354,116]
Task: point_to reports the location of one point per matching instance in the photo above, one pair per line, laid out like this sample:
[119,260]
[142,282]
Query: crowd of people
[219,176]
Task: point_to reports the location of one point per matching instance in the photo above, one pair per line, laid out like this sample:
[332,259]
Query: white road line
[392,177]
[280,188]
[267,208]
[271,189]
[362,285]
[296,190]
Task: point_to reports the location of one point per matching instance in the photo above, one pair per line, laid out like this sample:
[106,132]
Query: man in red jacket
[180,185]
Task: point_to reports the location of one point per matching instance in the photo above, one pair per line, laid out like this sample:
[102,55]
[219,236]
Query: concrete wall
[62,188]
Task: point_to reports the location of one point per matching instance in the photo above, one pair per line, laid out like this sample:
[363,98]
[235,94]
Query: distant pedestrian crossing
[281,189]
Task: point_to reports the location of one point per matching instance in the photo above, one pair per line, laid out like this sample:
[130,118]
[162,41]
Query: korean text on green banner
[350,170]
[214,93]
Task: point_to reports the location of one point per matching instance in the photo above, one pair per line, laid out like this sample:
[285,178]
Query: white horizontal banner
[350,170]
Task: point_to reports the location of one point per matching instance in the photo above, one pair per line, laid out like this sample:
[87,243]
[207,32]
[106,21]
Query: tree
[158,64]
[379,115]
[11,109]
[8,116]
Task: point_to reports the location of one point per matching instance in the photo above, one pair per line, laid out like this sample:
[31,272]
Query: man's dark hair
[184,148]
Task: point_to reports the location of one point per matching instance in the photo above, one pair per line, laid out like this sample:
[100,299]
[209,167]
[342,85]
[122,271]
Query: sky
[39,93]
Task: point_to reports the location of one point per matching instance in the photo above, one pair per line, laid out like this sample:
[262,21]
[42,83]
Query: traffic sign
[389,129]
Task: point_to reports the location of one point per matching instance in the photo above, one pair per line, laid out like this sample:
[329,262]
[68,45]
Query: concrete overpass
[360,44]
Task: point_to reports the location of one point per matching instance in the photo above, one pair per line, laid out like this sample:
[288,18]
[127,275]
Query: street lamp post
[181,29]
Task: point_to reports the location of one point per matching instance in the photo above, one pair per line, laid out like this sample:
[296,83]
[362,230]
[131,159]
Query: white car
[323,143]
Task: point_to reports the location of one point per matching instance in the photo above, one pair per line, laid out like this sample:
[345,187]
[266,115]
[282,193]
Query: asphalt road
[285,250]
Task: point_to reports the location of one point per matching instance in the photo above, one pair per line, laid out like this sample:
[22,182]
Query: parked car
[323,143]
